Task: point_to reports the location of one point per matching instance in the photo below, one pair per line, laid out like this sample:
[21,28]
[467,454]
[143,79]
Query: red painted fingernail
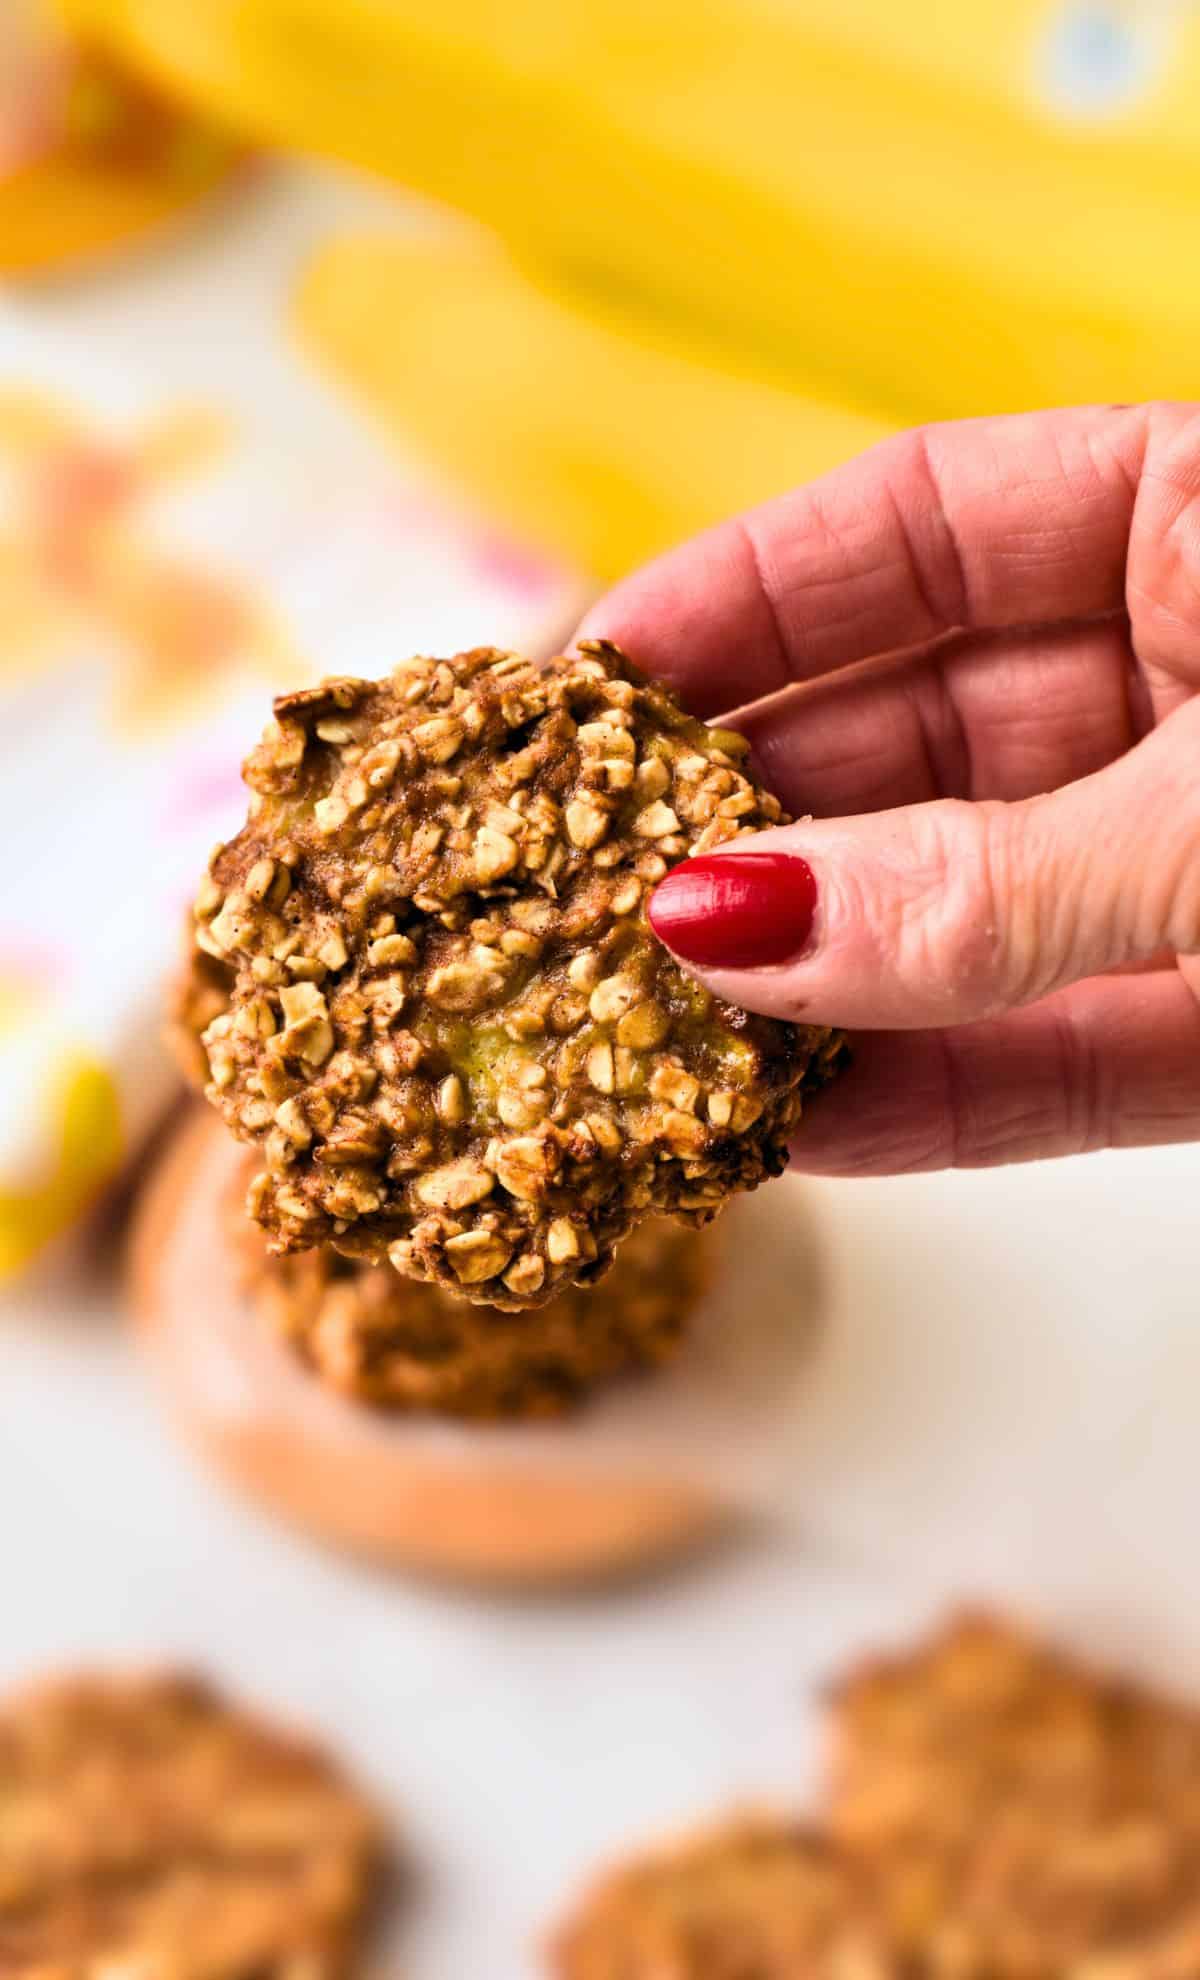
[737,911]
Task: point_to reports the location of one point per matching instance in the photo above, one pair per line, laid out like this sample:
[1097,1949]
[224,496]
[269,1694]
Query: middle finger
[1007,717]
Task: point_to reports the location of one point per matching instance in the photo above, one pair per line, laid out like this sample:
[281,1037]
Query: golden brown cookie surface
[1020,1815]
[401,1344]
[146,1828]
[756,1899]
[451,1034]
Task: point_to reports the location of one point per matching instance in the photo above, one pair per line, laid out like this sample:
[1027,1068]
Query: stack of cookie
[423,991]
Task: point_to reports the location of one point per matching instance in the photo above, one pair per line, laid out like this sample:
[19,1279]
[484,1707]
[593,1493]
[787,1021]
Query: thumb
[941,913]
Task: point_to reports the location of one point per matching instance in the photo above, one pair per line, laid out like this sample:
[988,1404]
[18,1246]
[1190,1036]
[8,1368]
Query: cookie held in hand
[450,1031]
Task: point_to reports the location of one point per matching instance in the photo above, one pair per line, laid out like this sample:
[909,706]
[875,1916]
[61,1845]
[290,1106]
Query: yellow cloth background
[884,213]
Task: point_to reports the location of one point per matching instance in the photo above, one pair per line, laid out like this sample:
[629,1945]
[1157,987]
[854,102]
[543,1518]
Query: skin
[973,656]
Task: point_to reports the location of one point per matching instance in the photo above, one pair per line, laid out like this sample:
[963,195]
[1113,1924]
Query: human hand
[973,655]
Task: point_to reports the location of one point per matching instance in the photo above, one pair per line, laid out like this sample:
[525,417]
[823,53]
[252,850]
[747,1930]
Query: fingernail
[737,911]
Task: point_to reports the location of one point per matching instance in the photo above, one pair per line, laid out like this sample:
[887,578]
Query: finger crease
[767,587]
[954,611]
[951,759]
[1087,1093]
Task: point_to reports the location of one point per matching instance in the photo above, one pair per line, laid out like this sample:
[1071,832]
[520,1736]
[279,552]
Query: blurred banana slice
[578,429]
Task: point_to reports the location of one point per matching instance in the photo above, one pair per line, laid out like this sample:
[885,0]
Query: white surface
[1004,1402]
[516,1739]
[1007,1395]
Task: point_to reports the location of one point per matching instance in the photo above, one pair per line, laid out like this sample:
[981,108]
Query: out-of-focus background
[333,330]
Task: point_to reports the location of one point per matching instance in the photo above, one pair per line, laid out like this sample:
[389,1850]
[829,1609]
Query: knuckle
[955,930]
[1082,1087]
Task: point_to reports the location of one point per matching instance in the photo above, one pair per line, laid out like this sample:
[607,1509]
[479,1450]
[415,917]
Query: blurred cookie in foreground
[451,1035]
[997,1811]
[402,1344]
[148,1827]
[1019,1813]
[757,1898]
[638,1470]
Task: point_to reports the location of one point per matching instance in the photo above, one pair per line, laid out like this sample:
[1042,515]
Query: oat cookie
[1021,1817]
[149,1830]
[399,1344]
[756,1899]
[451,1033]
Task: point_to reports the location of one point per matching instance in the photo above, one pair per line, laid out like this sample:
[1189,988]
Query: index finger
[976,525]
